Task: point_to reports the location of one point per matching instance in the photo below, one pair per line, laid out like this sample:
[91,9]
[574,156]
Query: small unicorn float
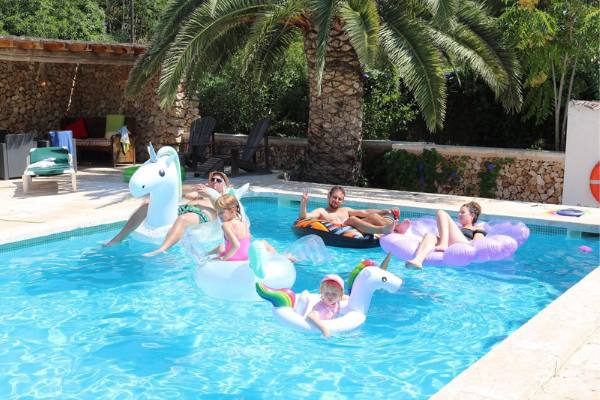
[235,280]
[291,310]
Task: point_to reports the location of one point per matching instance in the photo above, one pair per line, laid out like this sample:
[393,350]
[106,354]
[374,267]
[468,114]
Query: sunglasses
[218,180]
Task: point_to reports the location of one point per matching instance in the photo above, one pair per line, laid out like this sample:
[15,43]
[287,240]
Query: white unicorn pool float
[160,177]
[235,280]
[291,310]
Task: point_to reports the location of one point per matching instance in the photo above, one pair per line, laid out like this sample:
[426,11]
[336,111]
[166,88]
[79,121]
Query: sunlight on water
[80,321]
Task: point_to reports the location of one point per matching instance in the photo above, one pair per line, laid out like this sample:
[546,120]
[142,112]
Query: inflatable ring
[235,280]
[502,240]
[291,310]
[595,182]
[337,235]
[570,212]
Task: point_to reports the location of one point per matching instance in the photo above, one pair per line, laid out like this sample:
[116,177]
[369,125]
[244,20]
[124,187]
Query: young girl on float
[449,232]
[235,231]
[332,292]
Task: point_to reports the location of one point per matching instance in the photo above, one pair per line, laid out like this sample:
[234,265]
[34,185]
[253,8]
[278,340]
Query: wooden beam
[68,57]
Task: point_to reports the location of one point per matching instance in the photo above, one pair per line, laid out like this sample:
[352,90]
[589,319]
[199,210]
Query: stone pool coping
[516,368]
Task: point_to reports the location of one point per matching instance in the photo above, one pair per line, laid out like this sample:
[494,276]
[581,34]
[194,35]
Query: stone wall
[86,90]
[534,176]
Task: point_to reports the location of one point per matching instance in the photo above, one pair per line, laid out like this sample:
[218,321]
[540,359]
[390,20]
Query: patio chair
[13,151]
[201,131]
[247,161]
[48,161]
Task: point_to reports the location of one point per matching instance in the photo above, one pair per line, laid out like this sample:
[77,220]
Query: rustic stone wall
[533,176]
[86,90]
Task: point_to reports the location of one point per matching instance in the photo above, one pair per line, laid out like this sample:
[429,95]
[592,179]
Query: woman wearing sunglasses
[198,210]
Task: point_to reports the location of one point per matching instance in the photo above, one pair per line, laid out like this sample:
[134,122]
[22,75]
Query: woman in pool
[449,233]
[332,292]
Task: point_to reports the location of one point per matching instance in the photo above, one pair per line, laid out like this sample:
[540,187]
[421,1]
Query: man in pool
[371,221]
[198,211]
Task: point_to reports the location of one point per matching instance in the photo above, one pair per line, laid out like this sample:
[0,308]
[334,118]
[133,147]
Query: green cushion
[131,170]
[59,153]
[114,122]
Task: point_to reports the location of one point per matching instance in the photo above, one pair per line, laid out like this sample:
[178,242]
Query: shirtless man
[197,211]
[375,221]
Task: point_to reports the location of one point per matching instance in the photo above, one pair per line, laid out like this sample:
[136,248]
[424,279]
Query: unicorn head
[160,176]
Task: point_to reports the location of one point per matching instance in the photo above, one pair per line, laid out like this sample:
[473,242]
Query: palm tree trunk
[335,115]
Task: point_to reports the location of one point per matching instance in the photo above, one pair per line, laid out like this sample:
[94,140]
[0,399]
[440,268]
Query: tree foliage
[54,19]
[558,43]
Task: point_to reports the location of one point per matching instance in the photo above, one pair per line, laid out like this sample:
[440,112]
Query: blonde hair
[227,202]
[474,208]
[330,285]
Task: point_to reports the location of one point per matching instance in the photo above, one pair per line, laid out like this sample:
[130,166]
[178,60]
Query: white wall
[582,153]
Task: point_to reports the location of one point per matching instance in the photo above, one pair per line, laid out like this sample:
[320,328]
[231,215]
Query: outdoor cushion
[62,160]
[78,129]
[93,142]
[113,122]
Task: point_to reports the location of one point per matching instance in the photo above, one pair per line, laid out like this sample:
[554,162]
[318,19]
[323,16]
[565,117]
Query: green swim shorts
[191,209]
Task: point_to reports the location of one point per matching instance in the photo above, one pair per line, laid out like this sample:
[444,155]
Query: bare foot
[151,254]
[441,247]
[386,230]
[290,257]
[403,226]
[410,264]
[112,242]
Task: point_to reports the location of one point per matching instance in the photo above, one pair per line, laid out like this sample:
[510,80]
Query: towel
[62,138]
[45,163]
[124,138]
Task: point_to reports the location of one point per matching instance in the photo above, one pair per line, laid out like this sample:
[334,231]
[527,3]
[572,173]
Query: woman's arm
[314,317]
[232,238]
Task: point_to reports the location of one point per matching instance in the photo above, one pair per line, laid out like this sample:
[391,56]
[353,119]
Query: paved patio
[556,355]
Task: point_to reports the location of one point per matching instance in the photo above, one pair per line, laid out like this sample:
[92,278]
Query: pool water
[79,321]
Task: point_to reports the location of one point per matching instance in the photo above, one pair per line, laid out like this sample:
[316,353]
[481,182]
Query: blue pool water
[79,321]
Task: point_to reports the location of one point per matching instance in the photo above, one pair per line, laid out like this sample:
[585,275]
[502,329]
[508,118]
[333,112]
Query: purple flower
[388,75]
[365,75]
[378,72]
[422,180]
[447,74]
[491,167]
[420,167]
[453,175]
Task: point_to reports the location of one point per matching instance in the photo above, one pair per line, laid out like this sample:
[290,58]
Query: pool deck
[556,355]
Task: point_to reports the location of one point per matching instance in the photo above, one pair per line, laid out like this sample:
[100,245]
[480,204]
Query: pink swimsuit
[325,311]
[242,253]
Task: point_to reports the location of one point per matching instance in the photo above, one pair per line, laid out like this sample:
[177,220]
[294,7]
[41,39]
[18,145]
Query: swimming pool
[86,322]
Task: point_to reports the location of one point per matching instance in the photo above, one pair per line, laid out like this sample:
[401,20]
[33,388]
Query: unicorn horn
[152,153]
[385,262]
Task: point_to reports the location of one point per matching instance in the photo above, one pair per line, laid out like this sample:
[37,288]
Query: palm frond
[361,23]
[323,12]
[409,47]
[443,11]
[148,64]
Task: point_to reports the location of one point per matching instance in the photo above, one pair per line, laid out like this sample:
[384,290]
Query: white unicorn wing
[213,192]
[239,193]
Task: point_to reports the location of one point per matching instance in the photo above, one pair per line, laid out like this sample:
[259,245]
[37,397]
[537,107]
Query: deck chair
[201,131]
[247,161]
[40,163]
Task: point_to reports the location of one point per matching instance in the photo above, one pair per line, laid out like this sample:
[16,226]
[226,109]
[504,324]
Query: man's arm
[302,213]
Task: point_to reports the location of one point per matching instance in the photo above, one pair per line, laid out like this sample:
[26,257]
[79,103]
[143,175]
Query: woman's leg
[449,232]
[176,232]
[132,224]
[425,248]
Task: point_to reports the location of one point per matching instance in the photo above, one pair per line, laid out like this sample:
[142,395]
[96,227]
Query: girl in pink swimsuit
[235,231]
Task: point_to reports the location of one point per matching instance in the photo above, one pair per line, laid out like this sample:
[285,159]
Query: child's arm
[232,238]
[345,297]
[314,317]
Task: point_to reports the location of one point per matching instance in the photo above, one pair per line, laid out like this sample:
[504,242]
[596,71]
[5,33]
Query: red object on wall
[595,182]
[78,128]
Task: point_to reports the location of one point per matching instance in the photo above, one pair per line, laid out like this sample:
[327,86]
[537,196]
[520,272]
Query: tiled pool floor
[554,356]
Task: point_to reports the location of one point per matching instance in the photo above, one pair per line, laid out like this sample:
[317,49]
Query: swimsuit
[325,311]
[186,209]
[469,234]
[242,253]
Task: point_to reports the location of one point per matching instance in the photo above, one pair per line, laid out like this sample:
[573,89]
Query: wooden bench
[95,141]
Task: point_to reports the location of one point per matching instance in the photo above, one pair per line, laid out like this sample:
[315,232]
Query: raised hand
[304,199]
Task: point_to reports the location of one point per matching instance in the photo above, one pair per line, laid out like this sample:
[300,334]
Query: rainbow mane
[277,297]
[357,270]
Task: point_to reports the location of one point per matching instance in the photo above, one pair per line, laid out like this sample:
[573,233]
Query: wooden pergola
[15,48]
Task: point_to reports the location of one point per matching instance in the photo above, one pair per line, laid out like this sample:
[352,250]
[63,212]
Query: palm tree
[341,39]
